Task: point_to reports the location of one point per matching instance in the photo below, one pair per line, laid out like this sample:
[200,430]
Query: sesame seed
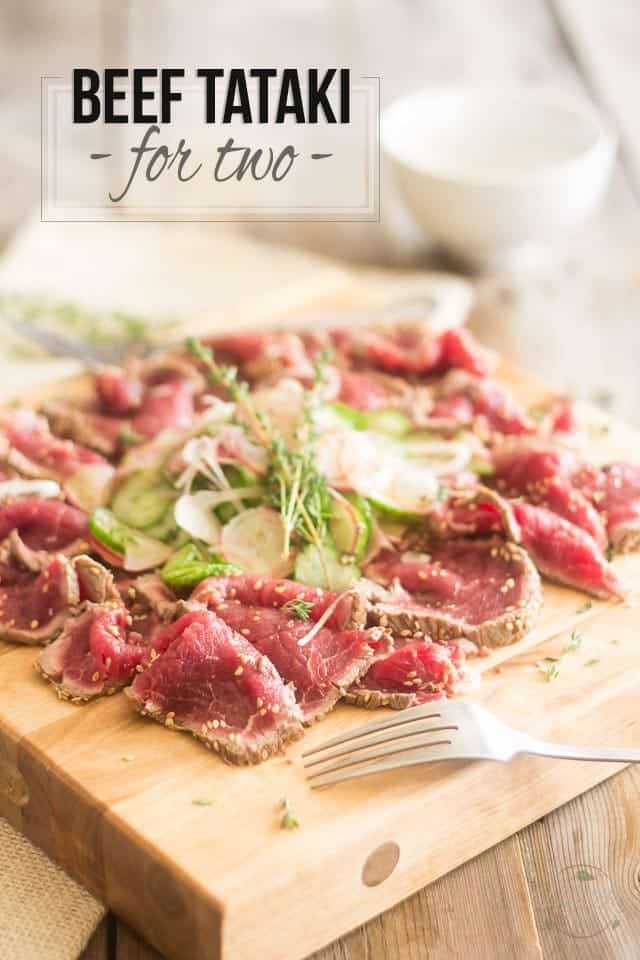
[238,671]
[34,624]
[95,676]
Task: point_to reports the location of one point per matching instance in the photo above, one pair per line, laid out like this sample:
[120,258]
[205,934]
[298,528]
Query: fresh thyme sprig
[294,485]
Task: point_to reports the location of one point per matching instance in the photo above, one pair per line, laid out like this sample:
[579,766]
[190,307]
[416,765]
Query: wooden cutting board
[111,796]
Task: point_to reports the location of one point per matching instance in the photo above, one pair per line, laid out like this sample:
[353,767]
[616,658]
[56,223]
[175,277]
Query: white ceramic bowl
[498,176]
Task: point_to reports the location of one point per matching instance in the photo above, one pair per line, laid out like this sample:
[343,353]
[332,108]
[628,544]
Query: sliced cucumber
[166,528]
[142,499]
[325,569]
[392,422]
[350,524]
[395,423]
[138,551]
[254,541]
[355,418]
[106,528]
[238,476]
[388,509]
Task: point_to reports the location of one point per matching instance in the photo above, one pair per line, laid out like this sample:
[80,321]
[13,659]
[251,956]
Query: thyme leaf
[301,609]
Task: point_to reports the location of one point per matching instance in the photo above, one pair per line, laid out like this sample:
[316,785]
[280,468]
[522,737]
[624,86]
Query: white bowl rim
[603,140]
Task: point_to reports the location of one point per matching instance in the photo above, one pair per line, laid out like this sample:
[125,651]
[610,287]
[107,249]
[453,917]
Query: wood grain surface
[586,309]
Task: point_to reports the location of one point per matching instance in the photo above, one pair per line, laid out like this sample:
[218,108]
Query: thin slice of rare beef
[35,452]
[119,391]
[94,430]
[93,655]
[33,611]
[151,605]
[543,476]
[265,356]
[214,683]
[415,672]
[484,405]
[566,553]
[412,349]
[370,390]
[614,490]
[166,404]
[95,582]
[45,525]
[486,591]
[307,633]
[347,610]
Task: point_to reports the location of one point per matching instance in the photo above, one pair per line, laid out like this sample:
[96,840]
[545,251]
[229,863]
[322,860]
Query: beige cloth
[44,914]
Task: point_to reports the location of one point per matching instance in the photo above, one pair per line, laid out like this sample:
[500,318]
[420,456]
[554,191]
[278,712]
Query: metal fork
[451,730]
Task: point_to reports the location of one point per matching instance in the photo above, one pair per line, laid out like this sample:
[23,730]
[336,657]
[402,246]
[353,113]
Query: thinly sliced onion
[193,513]
[253,540]
[45,489]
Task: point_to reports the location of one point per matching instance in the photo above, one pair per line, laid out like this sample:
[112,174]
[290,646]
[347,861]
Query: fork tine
[376,753]
[431,755]
[395,733]
[422,712]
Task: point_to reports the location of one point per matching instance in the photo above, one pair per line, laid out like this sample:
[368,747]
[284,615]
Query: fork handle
[567,752]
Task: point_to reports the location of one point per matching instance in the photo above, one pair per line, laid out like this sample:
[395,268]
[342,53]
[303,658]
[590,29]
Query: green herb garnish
[301,609]
[610,553]
[294,485]
[201,802]
[574,642]
[128,437]
[592,663]
[537,412]
[585,607]
[187,567]
[553,671]
[287,820]
[583,874]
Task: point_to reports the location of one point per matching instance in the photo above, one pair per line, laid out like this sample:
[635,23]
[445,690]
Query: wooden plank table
[568,886]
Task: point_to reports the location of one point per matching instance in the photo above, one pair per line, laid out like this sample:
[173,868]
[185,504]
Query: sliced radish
[90,486]
[254,539]
[144,553]
[194,514]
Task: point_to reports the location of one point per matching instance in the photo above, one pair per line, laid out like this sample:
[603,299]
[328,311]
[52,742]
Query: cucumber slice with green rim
[165,529]
[394,423]
[238,476]
[350,524]
[136,550]
[325,570]
[142,499]
[106,528]
[388,509]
